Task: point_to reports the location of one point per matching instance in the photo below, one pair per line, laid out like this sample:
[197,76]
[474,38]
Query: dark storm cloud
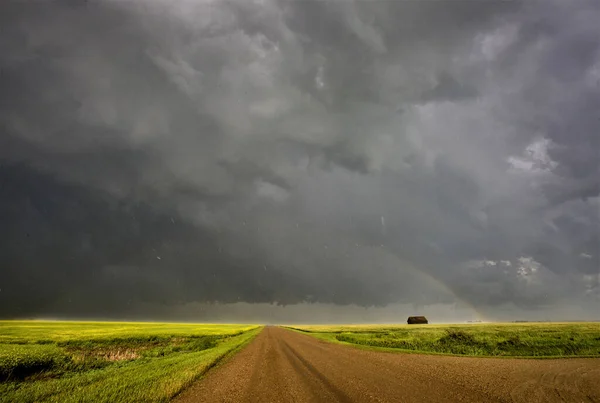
[298,151]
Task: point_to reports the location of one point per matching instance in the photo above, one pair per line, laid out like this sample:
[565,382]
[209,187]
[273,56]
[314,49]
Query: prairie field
[44,361]
[581,339]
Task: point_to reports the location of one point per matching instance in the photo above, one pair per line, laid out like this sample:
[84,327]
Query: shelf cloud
[355,153]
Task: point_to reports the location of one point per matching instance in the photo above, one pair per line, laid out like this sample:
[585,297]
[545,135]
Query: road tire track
[309,371]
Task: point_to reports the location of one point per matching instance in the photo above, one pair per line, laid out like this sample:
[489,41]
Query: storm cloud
[356,153]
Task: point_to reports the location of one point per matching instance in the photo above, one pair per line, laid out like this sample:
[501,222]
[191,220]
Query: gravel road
[285,366]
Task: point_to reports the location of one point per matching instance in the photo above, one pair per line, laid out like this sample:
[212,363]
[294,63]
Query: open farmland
[493,339]
[157,362]
[282,365]
[109,361]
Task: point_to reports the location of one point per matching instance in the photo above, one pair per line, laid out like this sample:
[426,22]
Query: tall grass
[18,361]
[107,362]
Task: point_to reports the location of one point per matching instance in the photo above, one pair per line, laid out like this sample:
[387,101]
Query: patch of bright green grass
[108,362]
[500,340]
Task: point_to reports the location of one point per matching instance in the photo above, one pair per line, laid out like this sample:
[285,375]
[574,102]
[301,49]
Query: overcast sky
[333,154]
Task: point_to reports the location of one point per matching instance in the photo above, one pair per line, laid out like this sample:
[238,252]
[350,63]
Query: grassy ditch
[119,363]
[490,340]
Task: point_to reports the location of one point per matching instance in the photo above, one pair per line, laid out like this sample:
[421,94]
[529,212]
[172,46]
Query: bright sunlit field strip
[36,331]
[567,339]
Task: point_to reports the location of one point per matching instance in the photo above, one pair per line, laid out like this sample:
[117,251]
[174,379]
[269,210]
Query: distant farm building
[417,320]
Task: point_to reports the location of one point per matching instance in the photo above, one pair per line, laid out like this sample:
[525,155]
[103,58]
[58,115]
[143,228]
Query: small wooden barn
[417,320]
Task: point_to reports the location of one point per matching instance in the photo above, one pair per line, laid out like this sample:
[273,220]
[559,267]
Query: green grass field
[109,361]
[494,340]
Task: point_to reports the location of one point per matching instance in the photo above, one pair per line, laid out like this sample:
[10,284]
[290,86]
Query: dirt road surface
[285,366]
